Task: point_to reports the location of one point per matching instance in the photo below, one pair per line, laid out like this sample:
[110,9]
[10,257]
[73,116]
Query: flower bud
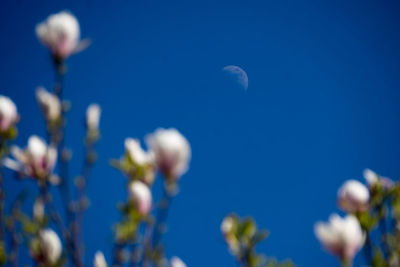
[99,260]
[353,196]
[60,33]
[50,245]
[8,113]
[136,153]
[49,104]
[343,237]
[177,262]
[38,209]
[93,113]
[374,179]
[171,150]
[227,225]
[140,195]
[37,160]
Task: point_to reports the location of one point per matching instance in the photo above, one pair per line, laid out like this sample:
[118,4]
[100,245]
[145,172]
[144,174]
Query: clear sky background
[322,105]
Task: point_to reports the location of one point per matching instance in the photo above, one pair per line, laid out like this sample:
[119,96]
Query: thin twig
[13,229]
[56,218]
[79,214]
[158,228]
[117,255]
[368,249]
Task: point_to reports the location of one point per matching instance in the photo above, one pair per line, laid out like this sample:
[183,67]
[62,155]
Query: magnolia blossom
[93,113]
[140,195]
[353,196]
[171,150]
[177,262]
[8,113]
[49,104]
[373,179]
[99,260]
[36,160]
[50,245]
[136,153]
[342,237]
[60,33]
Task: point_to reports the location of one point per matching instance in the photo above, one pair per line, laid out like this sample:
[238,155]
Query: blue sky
[321,106]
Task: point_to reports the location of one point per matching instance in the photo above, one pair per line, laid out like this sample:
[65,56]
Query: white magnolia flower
[8,113]
[177,262]
[36,160]
[60,33]
[171,150]
[140,194]
[99,260]
[353,196]
[373,179]
[136,153]
[49,104]
[93,113]
[343,237]
[50,245]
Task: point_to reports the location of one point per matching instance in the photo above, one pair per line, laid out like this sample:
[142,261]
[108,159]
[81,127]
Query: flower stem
[159,227]
[56,218]
[367,250]
[81,199]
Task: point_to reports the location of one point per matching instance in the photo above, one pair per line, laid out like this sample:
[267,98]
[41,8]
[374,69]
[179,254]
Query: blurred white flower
[8,113]
[227,225]
[136,153]
[343,237]
[49,104]
[353,196]
[227,228]
[38,209]
[93,113]
[373,179]
[36,160]
[60,33]
[171,150]
[140,194]
[99,260]
[50,245]
[177,262]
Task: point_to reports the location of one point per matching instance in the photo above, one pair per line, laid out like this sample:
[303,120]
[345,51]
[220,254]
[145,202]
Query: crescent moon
[238,75]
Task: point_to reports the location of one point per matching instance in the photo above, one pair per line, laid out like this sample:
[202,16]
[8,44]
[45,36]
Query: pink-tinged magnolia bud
[49,104]
[8,113]
[343,237]
[374,179]
[353,196]
[99,260]
[93,113]
[140,195]
[177,262]
[171,150]
[50,246]
[60,33]
[136,153]
[36,160]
